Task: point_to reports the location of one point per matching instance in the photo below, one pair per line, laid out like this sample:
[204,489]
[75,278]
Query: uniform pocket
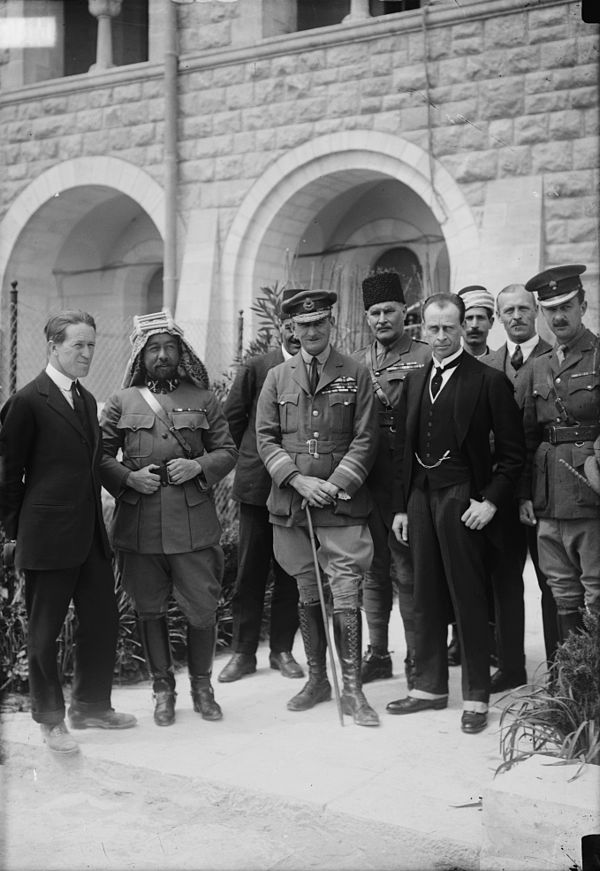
[288,411]
[585,495]
[191,420]
[137,434]
[342,407]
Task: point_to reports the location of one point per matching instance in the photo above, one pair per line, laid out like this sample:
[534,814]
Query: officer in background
[389,358]
[317,435]
[562,420]
[251,487]
[517,310]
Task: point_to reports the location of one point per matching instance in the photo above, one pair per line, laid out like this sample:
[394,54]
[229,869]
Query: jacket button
[165,435]
[315,413]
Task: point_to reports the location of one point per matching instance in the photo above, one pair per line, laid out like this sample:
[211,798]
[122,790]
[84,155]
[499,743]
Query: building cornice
[437,14]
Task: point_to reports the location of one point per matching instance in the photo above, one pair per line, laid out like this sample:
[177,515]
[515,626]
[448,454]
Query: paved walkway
[417,777]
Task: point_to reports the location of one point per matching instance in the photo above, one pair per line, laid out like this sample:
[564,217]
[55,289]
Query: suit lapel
[299,373]
[417,383]
[330,370]
[468,386]
[57,402]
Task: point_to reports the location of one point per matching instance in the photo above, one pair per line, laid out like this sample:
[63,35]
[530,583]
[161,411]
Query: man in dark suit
[49,444]
[447,491]
[517,310]
[251,487]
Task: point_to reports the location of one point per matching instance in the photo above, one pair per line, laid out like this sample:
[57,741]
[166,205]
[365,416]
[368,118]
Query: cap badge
[308,305]
[552,285]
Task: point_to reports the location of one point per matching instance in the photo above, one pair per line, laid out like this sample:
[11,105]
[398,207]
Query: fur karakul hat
[191,368]
[381,287]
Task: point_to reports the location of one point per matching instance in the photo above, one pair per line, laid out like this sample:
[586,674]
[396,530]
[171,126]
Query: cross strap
[161,414]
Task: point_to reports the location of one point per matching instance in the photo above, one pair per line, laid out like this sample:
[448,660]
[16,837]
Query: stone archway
[282,203]
[85,234]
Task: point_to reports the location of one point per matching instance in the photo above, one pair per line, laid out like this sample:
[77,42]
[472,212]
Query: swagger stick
[313,544]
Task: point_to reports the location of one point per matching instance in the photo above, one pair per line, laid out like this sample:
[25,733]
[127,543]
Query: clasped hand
[478,514]
[315,491]
[147,479]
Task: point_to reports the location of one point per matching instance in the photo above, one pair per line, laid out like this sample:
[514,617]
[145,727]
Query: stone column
[104,10]
[359,10]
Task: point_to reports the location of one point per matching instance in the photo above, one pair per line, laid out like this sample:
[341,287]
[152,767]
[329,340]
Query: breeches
[194,579]
[569,554]
[344,553]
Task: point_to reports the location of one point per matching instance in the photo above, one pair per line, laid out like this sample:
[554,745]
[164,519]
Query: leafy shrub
[562,718]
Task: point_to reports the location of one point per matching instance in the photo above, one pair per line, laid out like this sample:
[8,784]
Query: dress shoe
[100,719]
[164,708]
[317,689]
[471,722]
[286,664]
[375,666]
[501,681]
[239,665]
[410,705]
[58,739]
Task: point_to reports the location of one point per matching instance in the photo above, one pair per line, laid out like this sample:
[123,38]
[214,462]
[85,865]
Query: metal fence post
[14,318]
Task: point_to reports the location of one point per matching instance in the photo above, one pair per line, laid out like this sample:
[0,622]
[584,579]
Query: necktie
[516,361]
[313,375]
[436,381]
[79,408]
[561,353]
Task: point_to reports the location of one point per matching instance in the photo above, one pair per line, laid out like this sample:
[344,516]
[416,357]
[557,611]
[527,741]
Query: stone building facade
[457,142]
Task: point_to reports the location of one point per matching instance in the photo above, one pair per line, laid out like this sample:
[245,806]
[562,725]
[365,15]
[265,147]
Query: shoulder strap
[377,388]
[161,414]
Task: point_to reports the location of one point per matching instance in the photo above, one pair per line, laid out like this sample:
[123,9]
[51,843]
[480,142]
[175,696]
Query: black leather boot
[347,631]
[154,635]
[375,665]
[317,688]
[201,653]
[568,623]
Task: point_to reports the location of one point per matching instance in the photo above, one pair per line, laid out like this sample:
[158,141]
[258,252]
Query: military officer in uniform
[389,358]
[175,446]
[317,436]
[562,420]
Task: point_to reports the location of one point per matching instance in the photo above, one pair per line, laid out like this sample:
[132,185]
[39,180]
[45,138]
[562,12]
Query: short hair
[513,288]
[56,325]
[443,300]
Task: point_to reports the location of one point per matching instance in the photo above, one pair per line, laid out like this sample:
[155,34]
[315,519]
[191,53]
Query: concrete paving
[418,777]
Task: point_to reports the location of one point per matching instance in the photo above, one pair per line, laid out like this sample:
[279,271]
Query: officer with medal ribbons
[562,422]
[317,436]
[389,358]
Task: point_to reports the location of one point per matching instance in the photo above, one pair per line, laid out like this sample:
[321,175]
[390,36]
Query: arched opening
[89,247]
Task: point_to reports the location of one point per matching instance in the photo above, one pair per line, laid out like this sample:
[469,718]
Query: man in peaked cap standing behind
[389,358]
[562,421]
[175,446]
[317,436]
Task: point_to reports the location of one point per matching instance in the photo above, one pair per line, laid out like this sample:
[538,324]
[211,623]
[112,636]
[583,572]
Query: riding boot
[317,688]
[154,634]
[347,631]
[201,653]
[570,622]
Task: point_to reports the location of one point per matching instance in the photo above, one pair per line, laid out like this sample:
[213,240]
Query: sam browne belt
[559,435]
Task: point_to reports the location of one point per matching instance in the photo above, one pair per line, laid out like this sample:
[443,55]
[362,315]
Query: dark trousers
[506,565]
[549,615]
[450,572]
[377,584]
[255,553]
[48,594]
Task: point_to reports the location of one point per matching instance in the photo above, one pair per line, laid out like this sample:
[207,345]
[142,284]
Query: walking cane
[336,689]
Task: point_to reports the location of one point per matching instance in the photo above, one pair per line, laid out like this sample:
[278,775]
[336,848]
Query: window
[389,7]
[129,35]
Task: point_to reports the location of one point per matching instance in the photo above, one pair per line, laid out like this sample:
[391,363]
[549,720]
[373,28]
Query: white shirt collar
[447,360]
[526,347]
[322,358]
[62,381]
